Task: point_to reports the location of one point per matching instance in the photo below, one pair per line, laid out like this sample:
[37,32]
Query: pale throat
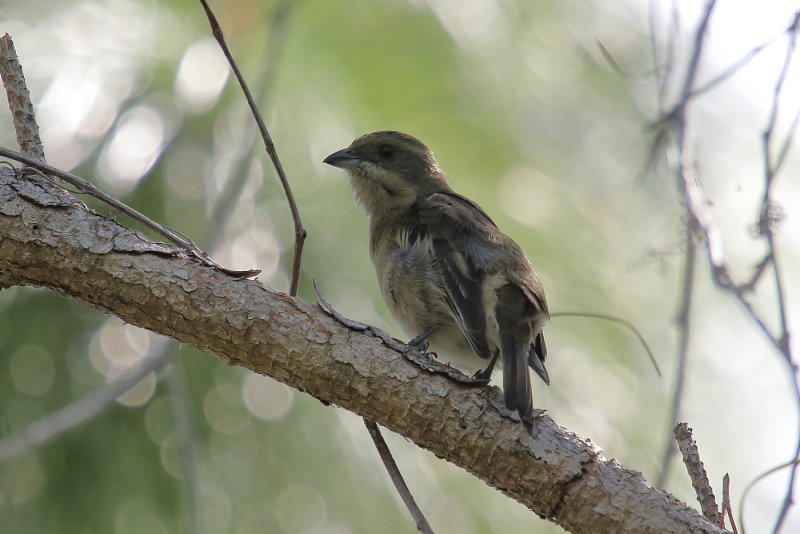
[378,191]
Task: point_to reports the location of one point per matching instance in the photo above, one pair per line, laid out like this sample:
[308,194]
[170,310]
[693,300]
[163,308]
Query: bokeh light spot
[117,347]
[23,479]
[201,76]
[265,398]
[140,393]
[159,421]
[134,148]
[32,370]
[222,407]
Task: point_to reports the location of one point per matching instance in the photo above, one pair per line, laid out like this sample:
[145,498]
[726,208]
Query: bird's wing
[470,248]
[456,227]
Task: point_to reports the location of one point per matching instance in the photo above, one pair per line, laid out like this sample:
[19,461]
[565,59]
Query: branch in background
[77,412]
[678,119]
[684,328]
[695,205]
[299,231]
[741,62]
[179,403]
[766,225]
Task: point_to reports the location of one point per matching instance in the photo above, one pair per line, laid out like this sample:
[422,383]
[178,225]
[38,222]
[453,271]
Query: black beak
[344,159]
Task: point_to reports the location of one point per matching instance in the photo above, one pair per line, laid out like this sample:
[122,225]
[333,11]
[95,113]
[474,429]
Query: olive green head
[389,170]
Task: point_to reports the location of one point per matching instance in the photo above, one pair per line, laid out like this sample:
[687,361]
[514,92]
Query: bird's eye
[386,151]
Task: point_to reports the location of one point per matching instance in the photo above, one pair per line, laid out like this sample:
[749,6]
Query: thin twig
[374,432]
[397,479]
[740,63]
[701,219]
[766,225]
[19,101]
[697,472]
[87,188]
[618,320]
[299,231]
[726,504]
[229,196]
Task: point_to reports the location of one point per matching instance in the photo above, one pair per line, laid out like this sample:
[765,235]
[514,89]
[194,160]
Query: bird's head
[389,170]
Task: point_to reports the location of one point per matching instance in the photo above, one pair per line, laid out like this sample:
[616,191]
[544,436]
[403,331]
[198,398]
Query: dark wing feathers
[463,286]
[449,221]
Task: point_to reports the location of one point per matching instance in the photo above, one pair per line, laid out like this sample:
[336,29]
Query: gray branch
[49,240]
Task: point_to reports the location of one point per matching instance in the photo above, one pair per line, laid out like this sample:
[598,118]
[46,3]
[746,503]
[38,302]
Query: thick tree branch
[48,239]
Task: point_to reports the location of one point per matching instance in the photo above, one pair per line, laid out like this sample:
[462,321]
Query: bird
[447,273]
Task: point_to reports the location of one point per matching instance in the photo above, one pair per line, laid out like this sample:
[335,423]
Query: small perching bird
[443,266]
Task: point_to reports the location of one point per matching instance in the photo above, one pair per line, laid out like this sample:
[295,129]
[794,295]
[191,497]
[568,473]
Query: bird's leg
[486,374]
[419,342]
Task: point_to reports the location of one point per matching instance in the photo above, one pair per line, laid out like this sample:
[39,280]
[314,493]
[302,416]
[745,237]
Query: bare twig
[299,231]
[227,199]
[766,226]
[694,466]
[19,101]
[85,187]
[618,320]
[397,479]
[726,504]
[740,63]
[701,220]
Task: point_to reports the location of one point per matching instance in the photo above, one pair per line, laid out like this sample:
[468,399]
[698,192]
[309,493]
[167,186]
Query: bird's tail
[516,380]
[515,341]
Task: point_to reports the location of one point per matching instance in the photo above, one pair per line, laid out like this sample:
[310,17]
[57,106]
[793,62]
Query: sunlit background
[526,115]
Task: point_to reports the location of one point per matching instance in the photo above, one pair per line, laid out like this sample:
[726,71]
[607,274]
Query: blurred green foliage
[524,115]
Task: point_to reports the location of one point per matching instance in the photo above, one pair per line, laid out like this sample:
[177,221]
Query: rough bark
[50,240]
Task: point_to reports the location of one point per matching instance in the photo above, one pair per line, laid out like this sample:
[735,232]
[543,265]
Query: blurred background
[526,114]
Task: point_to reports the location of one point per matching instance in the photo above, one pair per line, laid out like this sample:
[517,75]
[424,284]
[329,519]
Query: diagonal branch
[46,241]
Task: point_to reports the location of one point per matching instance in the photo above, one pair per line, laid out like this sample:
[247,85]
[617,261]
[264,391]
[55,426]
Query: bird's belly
[415,295]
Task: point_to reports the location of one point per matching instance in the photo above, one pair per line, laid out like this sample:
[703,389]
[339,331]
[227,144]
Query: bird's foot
[483,376]
[419,343]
